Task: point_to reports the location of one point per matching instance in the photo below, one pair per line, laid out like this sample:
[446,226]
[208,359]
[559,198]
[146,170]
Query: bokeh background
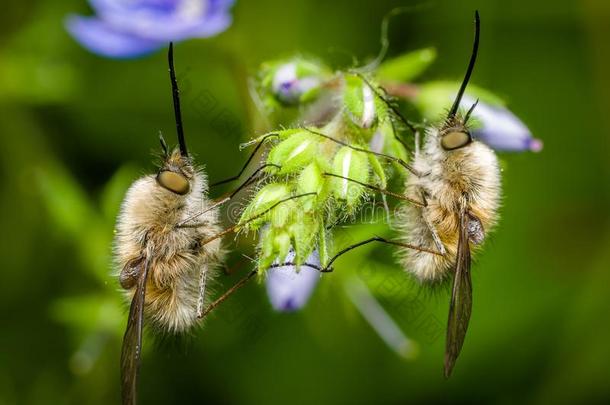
[76,129]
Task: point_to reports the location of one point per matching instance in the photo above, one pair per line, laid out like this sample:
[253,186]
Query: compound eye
[455,140]
[174,182]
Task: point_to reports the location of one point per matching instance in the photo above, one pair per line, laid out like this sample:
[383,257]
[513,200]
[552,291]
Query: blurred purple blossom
[500,129]
[288,87]
[126,29]
[289,290]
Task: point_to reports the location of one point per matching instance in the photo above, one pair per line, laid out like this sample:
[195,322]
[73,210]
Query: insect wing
[132,340]
[460,307]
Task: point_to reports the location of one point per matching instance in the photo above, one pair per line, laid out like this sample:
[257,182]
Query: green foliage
[406,67]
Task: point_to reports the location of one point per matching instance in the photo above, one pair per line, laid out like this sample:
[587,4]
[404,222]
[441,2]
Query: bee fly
[165,257]
[453,194]
[460,188]
[164,268]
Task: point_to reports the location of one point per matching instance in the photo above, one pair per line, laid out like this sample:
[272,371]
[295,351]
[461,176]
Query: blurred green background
[77,129]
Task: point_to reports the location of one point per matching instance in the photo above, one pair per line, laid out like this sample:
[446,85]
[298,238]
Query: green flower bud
[378,170]
[293,81]
[264,199]
[304,233]
[311,180]
[354,165]
[360,102]
[281,245]
[296,151]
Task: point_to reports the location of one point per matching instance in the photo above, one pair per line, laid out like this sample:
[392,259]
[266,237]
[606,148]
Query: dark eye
[174,182]
[455,140]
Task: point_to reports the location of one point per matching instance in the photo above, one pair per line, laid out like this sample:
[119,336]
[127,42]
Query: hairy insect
[451,202]
[460,188]
[164,266]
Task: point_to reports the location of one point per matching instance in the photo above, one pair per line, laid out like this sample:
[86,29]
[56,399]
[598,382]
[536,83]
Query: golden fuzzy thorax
[467,175]
[146,228]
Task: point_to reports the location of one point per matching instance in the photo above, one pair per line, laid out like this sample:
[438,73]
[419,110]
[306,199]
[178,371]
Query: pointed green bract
[407,66]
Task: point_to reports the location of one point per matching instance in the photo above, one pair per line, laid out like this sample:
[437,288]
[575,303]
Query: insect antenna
[163,145]
[467,116]
[473,59]
[176,98]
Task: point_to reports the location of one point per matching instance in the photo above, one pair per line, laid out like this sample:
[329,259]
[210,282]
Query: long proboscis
[473,59]
[176,98]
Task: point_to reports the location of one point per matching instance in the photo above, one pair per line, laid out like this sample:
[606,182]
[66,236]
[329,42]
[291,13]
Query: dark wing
[132,340]
[460,307]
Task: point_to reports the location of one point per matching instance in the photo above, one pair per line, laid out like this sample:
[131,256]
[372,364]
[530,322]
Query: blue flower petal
[501,129]
[103,39]
[147,19]
[289,290]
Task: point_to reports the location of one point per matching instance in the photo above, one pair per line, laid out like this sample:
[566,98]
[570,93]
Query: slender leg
[253,218]
[327,269]
[227,294]
[437,239]
[392,107]
[203,275]
[388,157]
[238,175]
[381,190]
[253,178]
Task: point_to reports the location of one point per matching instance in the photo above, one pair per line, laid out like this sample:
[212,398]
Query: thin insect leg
[437,239]
[238,175]
[241,224]
[381,190]
[391,158]
[203,276]
[382,240]
[392,107]
[228,293]
[403,143]
[253,178]
[328,268]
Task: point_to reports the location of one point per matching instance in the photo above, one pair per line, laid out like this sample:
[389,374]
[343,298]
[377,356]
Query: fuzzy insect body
[165,249]
[468,177]
[149,225]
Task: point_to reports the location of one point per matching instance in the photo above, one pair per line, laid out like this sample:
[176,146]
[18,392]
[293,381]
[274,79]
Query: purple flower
[501,129]
[289,87]
[289,290]
[125,29]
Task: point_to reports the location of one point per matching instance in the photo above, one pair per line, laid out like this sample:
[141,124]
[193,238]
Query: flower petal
[102,39]
[176,21]
[289,290]
[501,129]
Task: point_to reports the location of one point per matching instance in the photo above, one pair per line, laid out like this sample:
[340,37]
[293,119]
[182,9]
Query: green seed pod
[378,170]
[354,165]
[264,199]
[295,152]
[304,233]
[360,102]
[311,180]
